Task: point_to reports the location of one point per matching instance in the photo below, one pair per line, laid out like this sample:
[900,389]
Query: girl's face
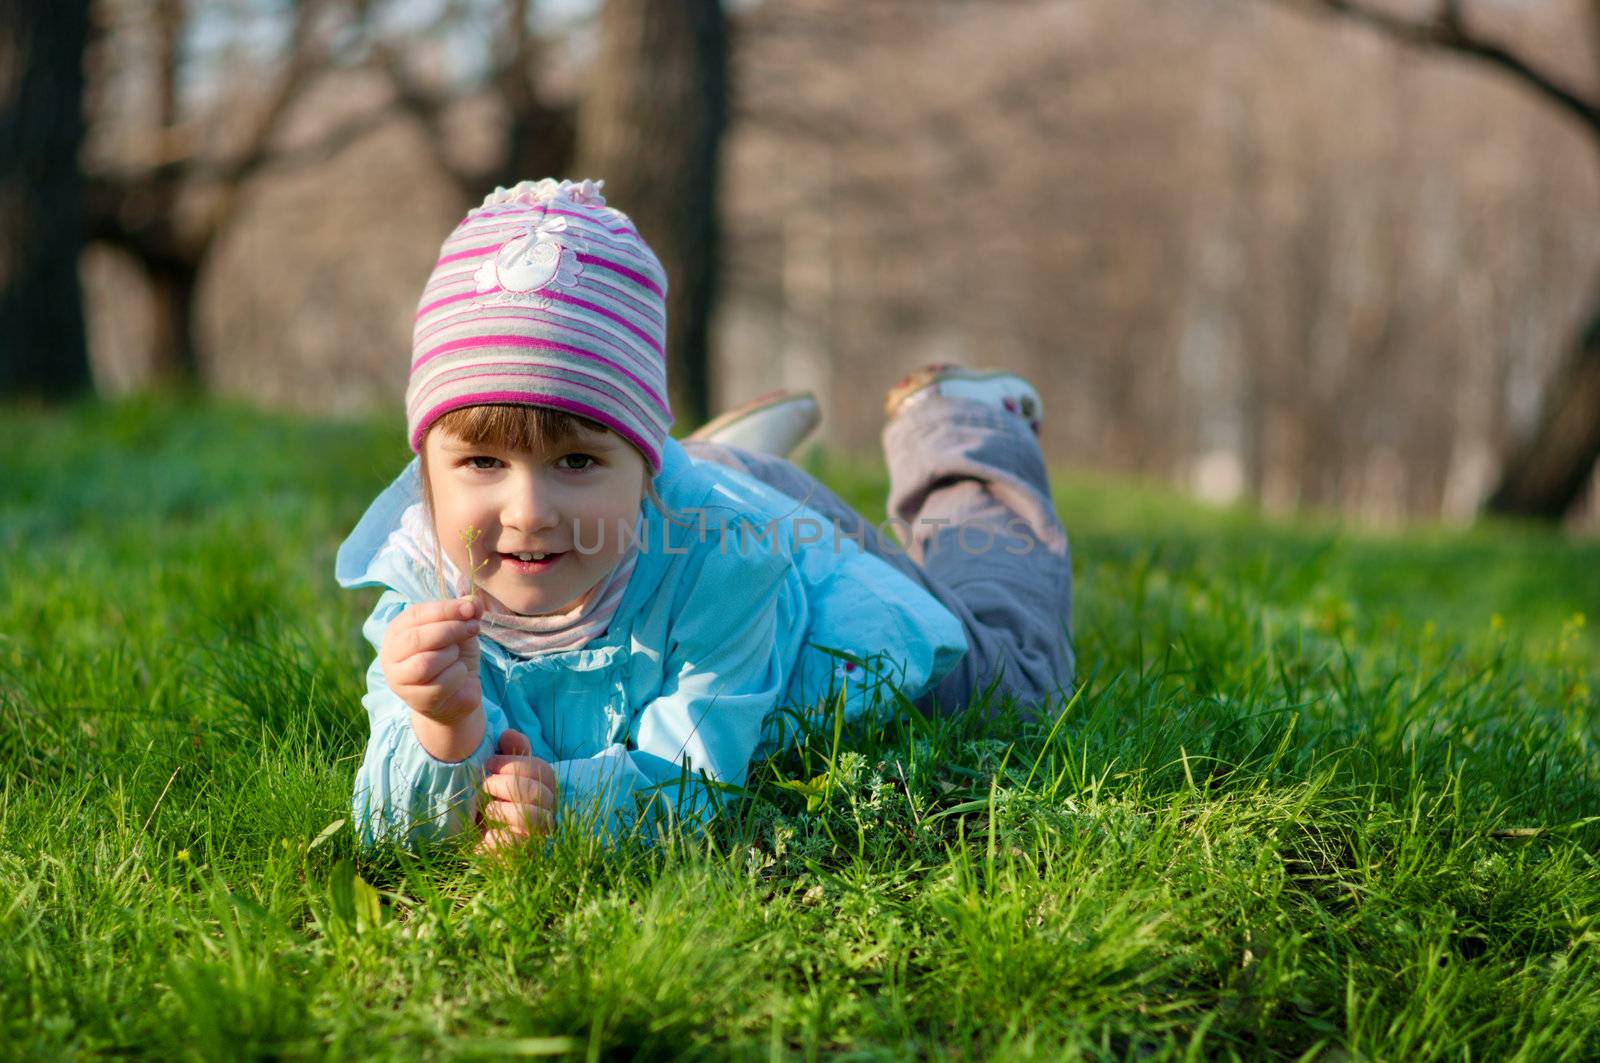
[582,492]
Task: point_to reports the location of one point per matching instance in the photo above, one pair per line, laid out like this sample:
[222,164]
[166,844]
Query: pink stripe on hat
[602,340]
[621,230]
[520,369]
[468,253]
[505,344]
[446,301]
[633,275]
[611,315]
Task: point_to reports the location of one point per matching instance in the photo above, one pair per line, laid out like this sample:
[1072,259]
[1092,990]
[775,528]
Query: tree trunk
[651,127]
[1546,476]
[170,261]
[174,359]
[43,350]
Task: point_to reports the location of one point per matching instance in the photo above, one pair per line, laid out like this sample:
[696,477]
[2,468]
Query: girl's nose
[530,506]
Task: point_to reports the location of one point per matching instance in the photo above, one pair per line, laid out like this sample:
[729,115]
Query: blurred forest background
[1330,253]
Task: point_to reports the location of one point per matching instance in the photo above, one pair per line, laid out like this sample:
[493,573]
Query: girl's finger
[527,767]
[513,743]
[519,819]
[496,839]
[520,790]
[422,669]
[454,688]
[436,635]
[507,816]
[463,608]
[457,683]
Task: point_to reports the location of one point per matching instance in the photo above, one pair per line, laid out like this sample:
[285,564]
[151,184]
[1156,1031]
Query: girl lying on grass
[583,619]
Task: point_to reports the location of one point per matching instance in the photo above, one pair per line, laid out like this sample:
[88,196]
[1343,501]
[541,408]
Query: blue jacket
[726,618]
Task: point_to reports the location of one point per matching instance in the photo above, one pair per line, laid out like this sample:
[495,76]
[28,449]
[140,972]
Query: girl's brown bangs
[515,427]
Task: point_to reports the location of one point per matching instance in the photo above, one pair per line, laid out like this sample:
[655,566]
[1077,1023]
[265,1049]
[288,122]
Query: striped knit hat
[545,296]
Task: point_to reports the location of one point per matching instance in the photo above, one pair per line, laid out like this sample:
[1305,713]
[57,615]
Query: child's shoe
[774,423]
[993,387]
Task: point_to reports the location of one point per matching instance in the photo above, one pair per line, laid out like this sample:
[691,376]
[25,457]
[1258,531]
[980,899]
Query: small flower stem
[469,536]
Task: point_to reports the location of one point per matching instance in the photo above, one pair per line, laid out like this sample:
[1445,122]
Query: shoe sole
[761,404]
[930,375]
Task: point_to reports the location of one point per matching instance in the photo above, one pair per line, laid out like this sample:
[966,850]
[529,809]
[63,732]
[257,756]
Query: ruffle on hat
[584,193]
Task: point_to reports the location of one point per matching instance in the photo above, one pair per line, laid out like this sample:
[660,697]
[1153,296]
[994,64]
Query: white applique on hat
[528,264]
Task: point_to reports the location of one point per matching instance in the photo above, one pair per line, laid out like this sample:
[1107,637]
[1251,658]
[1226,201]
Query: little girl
[583,619]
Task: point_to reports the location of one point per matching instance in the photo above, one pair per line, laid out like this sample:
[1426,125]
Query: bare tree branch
[1546,475]
[178,165]
[135,207]
[169,19]
[306,59]
[538,137]
[105,190]
[1450,30]
[427,106]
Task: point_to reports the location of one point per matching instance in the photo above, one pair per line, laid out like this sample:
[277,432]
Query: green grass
[1322,795]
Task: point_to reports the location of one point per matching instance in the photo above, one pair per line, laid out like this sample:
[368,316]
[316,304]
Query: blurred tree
[1545,476]
[651,125]
[536,132]
[657,107]
[42,345]
[167,200]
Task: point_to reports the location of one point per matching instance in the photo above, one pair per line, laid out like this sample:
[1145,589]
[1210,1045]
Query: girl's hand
[522,792]
[430,659]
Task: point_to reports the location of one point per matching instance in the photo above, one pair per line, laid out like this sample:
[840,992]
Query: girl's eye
[583,461]
[482,462]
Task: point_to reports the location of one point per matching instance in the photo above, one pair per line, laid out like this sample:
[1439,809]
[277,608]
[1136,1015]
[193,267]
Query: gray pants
[969,493]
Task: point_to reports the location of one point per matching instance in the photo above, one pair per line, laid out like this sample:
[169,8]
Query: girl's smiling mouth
[530,563]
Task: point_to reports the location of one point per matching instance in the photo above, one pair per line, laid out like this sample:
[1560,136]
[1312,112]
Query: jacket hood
[364,561]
